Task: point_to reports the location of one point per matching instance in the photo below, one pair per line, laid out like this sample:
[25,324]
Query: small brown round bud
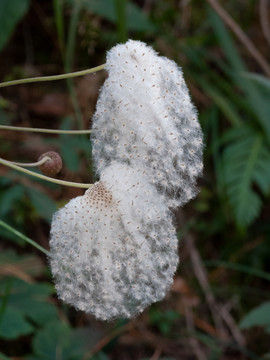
[53,165]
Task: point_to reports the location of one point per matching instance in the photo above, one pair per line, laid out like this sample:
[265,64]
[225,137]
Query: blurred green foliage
[11,12]
[260,316]
[230,217]
[164,320]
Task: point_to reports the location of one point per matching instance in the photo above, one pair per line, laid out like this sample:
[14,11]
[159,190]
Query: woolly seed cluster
[144,117]
[114,249]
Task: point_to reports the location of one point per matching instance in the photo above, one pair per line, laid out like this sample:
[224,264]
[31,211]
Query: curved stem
[24,237]
[53,77]
[48,131]
[43,177]
[35,164]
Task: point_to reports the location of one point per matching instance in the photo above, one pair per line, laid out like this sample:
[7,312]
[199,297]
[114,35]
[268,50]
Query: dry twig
[265,20]
[193,341]
[219,314]
[241,35]
[156,354]
[229,320]
[201,275]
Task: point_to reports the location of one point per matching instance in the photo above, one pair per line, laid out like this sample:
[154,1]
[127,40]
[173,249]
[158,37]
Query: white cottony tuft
[144,117]
[114,250]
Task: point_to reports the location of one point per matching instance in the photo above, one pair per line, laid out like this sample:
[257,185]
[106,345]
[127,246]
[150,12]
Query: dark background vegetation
[219,305]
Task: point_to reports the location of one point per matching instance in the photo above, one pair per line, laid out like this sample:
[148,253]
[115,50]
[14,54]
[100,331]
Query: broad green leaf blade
[58,340]
[260,316]
[32,300]
[51,342]
[259,79]
[11,12]
[136,19]
[242,165]
[13,324]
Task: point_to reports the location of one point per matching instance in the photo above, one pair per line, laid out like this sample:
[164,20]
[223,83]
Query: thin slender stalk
[48,131]
[69,57]
[43,177]
[239,267]
[53,77]
[72,31]
[59,22]
[23,237]
[35,164]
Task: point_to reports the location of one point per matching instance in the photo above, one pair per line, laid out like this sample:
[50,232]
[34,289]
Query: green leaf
[136,19]
[100,356]
[224,104]
[245,162]
[13,324]
[71,150]
[259,103]
[163,320]
[226,41]
[32,300]
[260,316]
[69,155]
[58,340]
[4,357]
[10,197]
[11,12]
[259,79]
[42,203]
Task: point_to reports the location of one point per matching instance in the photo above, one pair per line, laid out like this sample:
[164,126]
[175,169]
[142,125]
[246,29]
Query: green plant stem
[69,57]
[35,164]
[43,177]
[53,77]
[72,30]
[59,22]
[24,237]
[48,131]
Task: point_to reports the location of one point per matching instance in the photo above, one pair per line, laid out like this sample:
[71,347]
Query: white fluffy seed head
[144,117]
[114,249]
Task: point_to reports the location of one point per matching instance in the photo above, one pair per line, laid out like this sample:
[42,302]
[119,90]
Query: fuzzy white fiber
[144,117]
[114,250]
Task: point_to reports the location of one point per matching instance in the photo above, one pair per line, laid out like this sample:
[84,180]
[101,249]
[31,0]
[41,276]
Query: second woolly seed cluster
[114,249]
